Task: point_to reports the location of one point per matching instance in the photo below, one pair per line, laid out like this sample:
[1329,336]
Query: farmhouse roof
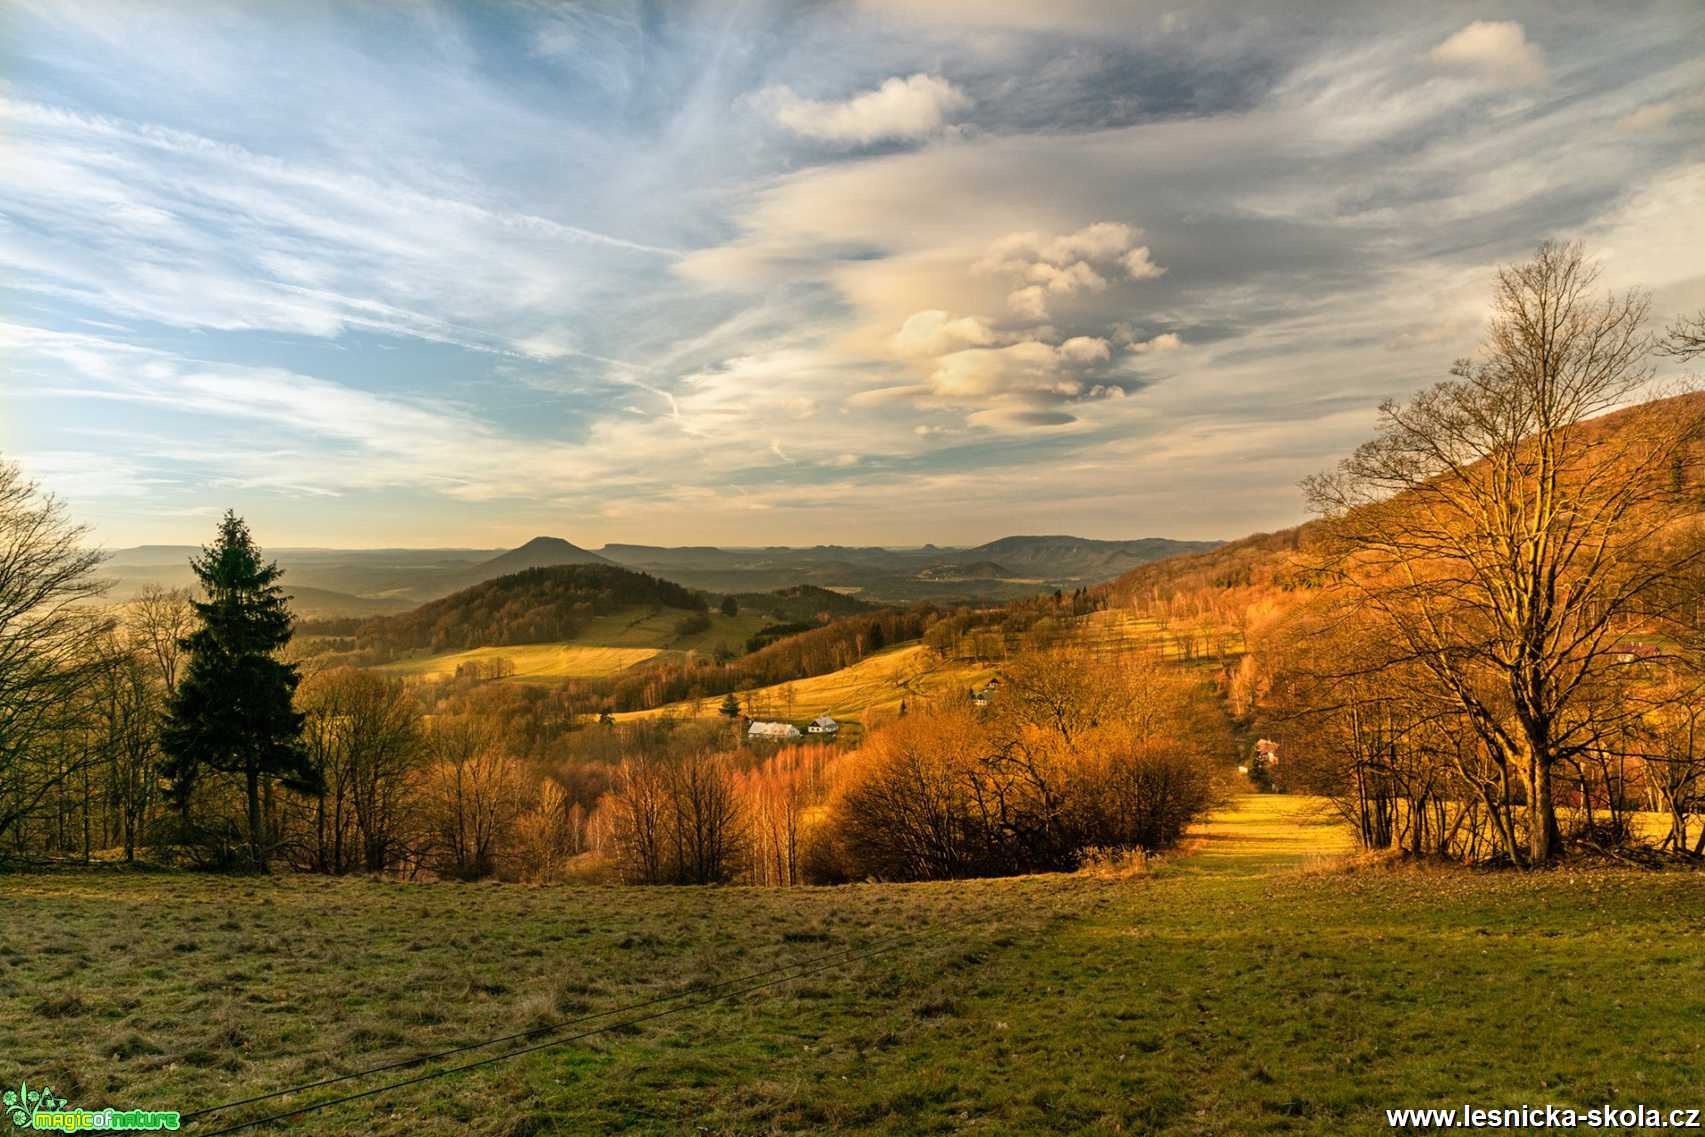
[773,730]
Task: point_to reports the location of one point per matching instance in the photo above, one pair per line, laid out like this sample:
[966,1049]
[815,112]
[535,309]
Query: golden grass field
[611,643]
[1254,982]
[879,682]
[1113,630]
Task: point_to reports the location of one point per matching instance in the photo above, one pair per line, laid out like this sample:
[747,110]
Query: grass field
[1242,987]
[909,672]
[610,643]
[1113,630]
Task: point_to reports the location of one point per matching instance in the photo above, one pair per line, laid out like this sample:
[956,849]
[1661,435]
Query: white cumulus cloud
[910,108]
[935,332]
[1492,49]
[1045,267]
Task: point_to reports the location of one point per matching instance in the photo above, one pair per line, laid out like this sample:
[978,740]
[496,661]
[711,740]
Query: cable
[447,1071]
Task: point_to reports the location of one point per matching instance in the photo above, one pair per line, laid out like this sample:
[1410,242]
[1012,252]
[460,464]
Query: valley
[340,583]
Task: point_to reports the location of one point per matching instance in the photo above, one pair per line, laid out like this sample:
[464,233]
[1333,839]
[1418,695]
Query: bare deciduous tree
[50,639]
[1685,338]
[1504,541]
[473,794]
[157,622]
[677,820]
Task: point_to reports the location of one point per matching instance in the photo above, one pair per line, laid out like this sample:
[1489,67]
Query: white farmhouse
[772,730]
[823,724]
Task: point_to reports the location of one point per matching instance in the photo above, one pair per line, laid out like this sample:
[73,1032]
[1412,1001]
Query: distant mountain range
[366,582]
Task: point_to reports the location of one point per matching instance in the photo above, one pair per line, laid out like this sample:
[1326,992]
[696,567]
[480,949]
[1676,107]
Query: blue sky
[896,272]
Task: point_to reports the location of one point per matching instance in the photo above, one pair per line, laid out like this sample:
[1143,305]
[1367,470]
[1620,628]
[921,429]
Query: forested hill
[537,605]
[1261,560]
[1062,557]
[804,602]
[1268,563]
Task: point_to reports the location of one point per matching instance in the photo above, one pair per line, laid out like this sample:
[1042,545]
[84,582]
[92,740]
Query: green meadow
[1255,982]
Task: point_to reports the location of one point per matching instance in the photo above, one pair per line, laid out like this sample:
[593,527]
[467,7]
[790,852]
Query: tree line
[178,728]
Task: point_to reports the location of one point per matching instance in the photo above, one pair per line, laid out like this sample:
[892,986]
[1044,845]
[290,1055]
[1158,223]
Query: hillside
[1266,562]
[536,605]
[1063,558]
[1007,569]
[803,602]
[322,604]
[625,638]
[966,570]
[576,632]
[879,682]
[1260,560]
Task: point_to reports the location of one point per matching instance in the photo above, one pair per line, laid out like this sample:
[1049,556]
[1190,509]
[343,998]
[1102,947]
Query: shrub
[1074,758]
[692,625]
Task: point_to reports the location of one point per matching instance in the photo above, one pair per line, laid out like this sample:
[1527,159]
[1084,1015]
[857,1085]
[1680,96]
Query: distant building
[773,730]
[823,724]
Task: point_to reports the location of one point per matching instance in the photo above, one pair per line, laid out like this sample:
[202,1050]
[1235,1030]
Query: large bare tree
[50,639]
[1509,544]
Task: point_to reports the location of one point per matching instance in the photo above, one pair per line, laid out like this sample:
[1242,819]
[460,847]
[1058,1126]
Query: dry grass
[1226,992]
[611,643]
[880,682]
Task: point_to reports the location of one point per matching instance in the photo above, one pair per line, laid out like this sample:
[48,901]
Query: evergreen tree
[877,640]
[730,705]
[232,711]
[730,606]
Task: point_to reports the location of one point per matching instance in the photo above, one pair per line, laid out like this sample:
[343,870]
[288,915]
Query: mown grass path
[1242,987]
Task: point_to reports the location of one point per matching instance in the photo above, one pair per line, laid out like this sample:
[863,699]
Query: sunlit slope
[609,644]
[1113,631]
[914,673]
[910,672]
[538,663]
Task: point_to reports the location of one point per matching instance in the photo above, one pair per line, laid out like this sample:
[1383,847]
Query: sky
[889,272]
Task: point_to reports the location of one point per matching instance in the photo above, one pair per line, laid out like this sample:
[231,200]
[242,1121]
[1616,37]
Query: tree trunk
[1542,836]
[257,855]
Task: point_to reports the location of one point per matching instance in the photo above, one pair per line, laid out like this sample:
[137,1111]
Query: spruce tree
[232,713]
[730,706]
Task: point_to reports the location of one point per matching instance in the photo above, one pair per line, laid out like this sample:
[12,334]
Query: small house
[823,724]
[772,731]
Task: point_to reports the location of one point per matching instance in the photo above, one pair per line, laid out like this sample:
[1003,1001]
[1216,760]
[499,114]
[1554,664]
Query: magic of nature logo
[42,1109]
